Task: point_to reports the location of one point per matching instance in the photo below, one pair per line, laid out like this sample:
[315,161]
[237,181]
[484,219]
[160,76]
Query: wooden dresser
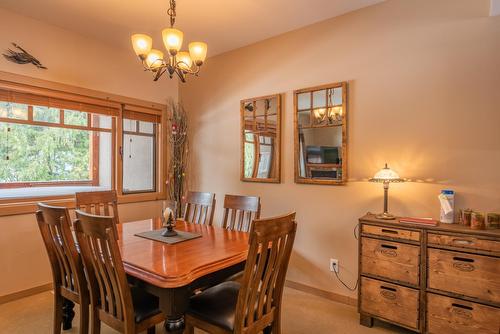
[430,279]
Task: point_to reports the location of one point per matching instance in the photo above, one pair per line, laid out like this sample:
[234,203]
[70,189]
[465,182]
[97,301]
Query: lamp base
[386,216]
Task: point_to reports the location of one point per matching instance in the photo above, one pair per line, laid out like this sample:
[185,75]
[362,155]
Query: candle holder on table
[168,222]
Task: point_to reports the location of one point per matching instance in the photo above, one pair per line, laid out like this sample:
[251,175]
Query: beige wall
[424,78]
[80,61]
[75,60]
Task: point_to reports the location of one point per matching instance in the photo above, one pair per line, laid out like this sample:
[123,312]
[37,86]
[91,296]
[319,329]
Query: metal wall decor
[22,57]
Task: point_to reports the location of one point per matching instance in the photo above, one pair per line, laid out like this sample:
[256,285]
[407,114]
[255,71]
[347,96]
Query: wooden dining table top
[177,265]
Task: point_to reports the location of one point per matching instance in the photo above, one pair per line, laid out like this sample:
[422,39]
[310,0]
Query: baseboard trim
[291,284]
[25,293]
[322,293]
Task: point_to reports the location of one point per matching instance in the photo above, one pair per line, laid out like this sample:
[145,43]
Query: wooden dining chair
[253,305]
[199,208]
[99,203]
[240,211]
[68,274]
[124,308]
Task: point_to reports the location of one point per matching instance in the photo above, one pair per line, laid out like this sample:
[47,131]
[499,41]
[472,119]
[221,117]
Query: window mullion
[118,153]
[30,113]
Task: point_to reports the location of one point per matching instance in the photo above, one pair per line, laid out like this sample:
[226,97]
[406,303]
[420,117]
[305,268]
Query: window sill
[24,200]
[31,192]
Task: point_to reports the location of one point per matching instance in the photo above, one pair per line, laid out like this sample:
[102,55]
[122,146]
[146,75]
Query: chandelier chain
[171,13]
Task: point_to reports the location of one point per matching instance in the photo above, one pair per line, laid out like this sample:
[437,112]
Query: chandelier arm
[180,74]
[159,73]
[190,71]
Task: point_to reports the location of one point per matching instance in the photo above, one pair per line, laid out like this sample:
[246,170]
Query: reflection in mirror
[320,134]
[320,153]
[260,136]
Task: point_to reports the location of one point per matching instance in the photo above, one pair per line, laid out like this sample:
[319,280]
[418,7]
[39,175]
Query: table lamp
[386,175]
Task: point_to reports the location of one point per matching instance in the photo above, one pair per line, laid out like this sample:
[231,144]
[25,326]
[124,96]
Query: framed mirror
[260,139]
[320,137]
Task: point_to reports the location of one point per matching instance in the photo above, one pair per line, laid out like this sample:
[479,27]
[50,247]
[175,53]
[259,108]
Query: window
[43,146]
[58,142]
[139,154]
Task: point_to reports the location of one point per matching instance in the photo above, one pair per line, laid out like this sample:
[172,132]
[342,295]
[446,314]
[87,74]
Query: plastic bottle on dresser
[447,200]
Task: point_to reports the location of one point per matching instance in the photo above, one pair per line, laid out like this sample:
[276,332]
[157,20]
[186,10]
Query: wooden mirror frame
[277,145]
[298,178]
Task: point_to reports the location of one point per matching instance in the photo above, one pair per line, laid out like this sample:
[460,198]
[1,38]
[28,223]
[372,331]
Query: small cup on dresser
[466,217]
[492,221]
[477,221]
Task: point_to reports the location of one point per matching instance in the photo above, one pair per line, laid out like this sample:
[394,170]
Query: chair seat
[145,304]
[216,305]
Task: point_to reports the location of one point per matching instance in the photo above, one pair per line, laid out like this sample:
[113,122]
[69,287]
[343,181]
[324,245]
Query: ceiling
[223,24]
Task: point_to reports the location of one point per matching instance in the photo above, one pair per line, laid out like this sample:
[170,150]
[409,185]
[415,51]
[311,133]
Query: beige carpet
[302,313]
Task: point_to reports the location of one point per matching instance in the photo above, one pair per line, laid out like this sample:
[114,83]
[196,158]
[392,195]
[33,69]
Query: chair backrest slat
[67,268]
[62,250]
[240,211]
[199,207]
[271,242]
[101,255]
[99,203]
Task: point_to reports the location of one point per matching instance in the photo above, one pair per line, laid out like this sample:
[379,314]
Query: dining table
[174,272]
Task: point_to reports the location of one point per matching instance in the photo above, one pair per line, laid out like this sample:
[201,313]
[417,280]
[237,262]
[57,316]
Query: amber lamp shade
[184,60]
[154,59]
[198,52]
[142,44]
[172,38]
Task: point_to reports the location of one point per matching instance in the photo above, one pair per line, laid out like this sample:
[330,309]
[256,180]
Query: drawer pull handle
[388,250]
[462,242]
[384,230]
[463,264]
[388,293]
[462,310]
[462,306]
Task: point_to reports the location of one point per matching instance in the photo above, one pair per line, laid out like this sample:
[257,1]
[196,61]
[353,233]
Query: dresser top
[455,228]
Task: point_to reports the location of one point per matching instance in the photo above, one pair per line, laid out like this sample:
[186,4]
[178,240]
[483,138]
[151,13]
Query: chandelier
[177,62]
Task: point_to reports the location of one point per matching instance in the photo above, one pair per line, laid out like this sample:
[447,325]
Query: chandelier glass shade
[176,62]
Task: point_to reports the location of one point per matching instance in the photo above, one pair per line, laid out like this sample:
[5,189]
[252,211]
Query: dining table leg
[174,303]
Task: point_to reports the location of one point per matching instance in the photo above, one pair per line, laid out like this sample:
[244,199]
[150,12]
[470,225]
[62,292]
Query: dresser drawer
[470,275]
[464,242]
[390,301]
[454,316]
[392,260]
[390,232]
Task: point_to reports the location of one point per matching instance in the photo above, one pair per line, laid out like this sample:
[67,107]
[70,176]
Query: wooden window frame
[94,150]
[155,153]
[103,102]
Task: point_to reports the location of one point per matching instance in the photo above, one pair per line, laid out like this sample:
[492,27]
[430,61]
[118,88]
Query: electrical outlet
[334,265]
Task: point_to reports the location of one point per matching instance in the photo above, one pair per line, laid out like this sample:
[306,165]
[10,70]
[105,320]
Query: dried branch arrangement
[177,153]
